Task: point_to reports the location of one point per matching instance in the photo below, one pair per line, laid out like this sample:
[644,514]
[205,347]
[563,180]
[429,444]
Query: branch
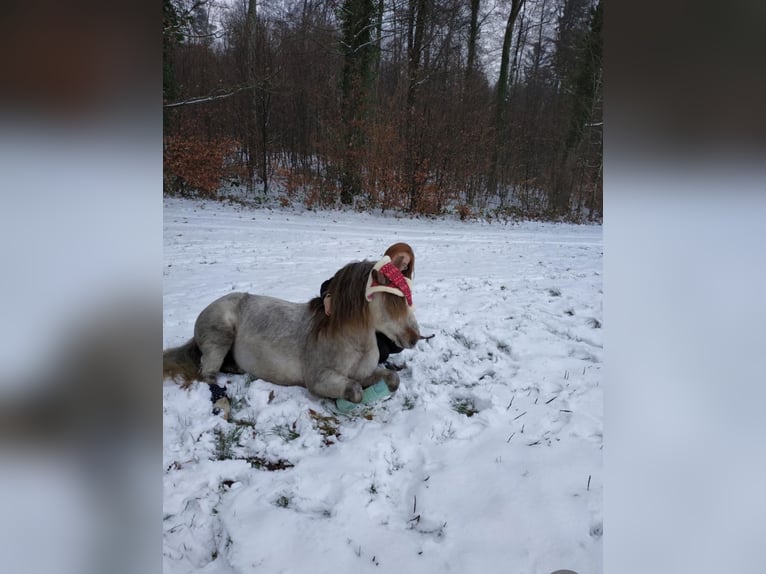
[216,34]
[209,98]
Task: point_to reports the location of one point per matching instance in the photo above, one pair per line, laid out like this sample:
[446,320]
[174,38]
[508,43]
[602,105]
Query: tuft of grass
[409,403]
[249,422]
[286,432]
[263,464]
[282,501]
[238,403]
[464,406]
[554,292]
[595,323]
[327,425]
[225,441]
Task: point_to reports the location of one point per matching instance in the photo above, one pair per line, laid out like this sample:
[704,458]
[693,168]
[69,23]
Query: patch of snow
[487,459]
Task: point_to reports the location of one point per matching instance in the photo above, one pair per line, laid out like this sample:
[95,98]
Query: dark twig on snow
[551,399]
[521,415]
[588,488]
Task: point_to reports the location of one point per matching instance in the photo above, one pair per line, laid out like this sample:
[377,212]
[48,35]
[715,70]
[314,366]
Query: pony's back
[271,339]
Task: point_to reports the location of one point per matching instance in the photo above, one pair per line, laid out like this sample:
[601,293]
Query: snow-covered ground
[487,459]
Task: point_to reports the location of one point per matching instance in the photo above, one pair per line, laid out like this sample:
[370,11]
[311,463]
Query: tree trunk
[417,21]
[473,34]
[586,87]
[252,101]
[501,102]
[358,48]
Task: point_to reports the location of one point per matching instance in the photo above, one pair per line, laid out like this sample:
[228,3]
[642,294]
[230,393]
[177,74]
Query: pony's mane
[349,306]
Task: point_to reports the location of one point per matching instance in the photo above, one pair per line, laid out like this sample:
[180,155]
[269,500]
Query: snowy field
[487,459]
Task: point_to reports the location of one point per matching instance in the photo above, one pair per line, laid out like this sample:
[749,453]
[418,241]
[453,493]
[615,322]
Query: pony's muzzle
[410,338]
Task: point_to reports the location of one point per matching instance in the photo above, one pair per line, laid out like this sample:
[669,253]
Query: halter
[401,286]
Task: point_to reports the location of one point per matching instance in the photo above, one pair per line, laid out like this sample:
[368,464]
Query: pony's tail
[182,363]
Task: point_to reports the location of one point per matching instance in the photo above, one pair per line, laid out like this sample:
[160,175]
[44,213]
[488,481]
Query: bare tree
[501,102]
[388,103]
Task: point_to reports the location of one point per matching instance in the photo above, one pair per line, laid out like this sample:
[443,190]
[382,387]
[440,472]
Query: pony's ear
[379,278]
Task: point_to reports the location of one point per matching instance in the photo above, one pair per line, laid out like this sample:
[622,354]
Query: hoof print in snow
[427,527]
[282,501]
[465,342]
[597,529]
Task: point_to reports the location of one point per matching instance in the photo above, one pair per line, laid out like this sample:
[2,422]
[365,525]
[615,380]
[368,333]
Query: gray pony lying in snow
[333,352]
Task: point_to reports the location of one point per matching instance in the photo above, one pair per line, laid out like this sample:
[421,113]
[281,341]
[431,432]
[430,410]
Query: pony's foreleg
[391,378]
[334,385]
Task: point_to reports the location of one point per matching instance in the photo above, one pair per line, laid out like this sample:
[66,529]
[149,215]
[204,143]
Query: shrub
[192,164]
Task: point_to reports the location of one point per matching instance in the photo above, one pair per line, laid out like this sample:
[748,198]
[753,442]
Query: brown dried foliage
[194,164]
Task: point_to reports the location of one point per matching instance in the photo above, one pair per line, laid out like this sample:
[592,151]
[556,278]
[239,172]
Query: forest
[429,107]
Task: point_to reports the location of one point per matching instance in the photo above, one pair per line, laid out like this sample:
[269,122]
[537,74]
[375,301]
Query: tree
[583,89]
[501,100]
[171,38]
[416,28]
[473,34]
[357,20]
[388,104]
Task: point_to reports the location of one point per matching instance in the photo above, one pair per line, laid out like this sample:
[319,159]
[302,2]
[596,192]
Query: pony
[332,352]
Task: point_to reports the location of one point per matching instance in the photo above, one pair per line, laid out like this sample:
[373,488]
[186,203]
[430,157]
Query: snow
[487,459]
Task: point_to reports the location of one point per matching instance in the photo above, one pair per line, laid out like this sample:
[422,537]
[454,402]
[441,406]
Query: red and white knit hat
[398,284]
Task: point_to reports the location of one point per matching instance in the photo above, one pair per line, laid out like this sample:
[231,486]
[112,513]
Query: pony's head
[372,296]
[389,295]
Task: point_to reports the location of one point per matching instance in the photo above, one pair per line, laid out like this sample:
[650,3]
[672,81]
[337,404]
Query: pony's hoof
[353,393]
[222,407]
[392,381]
